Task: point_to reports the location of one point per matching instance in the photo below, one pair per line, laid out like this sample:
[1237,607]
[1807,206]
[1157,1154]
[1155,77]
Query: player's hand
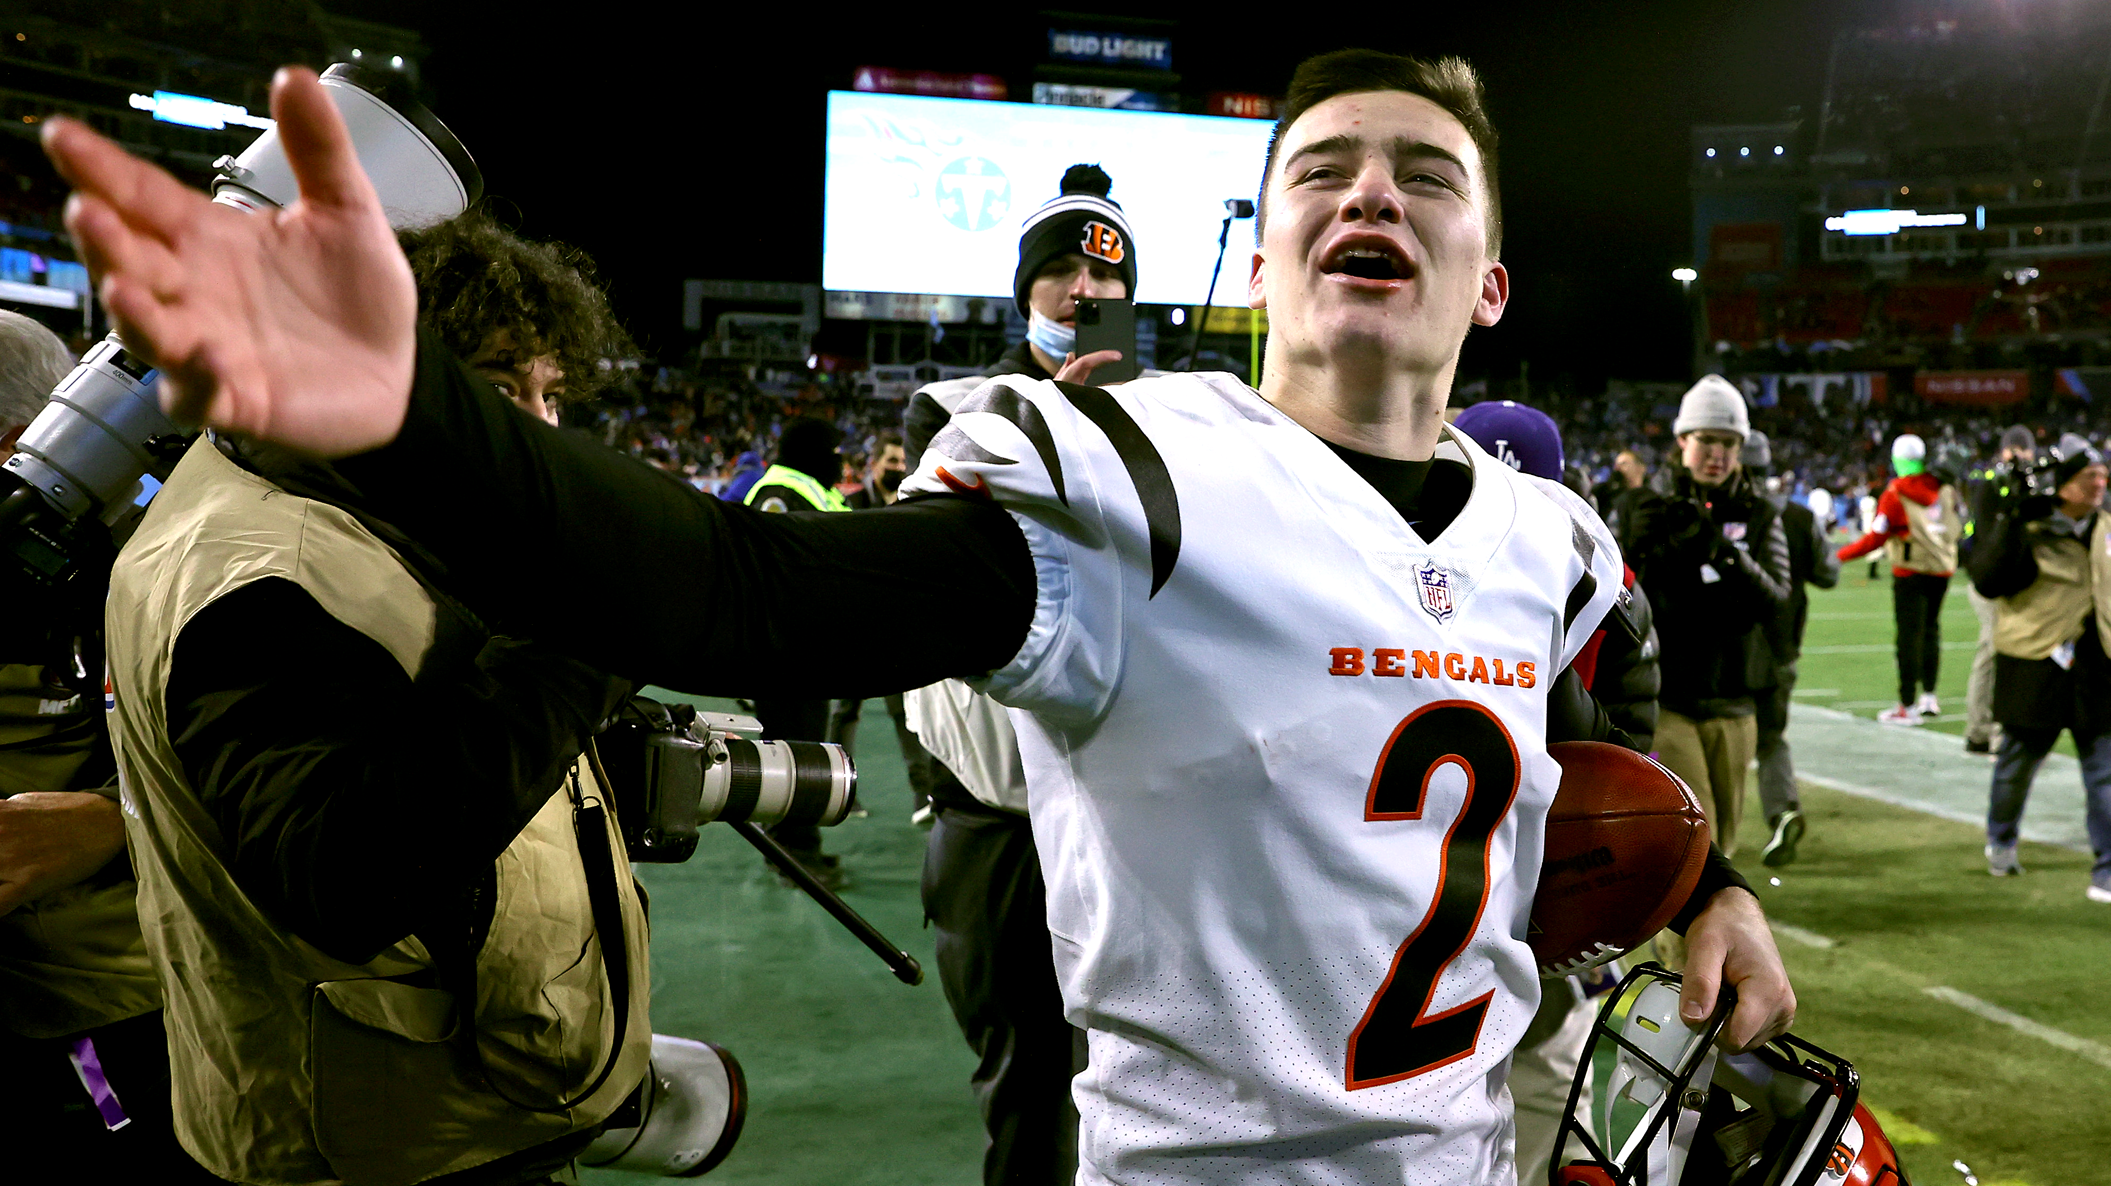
[52,839]
[1730,942]
[1079,370]
[296,327]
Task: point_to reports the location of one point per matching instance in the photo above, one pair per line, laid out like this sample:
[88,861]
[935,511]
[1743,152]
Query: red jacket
[1922,488]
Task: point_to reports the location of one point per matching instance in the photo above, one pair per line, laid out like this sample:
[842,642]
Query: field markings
[2095,1052]
[1799,935]
[1882,648]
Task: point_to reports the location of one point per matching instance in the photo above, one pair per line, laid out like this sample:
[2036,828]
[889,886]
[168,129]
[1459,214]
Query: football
[1626,840]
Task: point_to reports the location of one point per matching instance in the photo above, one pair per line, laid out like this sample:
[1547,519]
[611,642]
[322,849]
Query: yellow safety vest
[823,498]
[290,1066]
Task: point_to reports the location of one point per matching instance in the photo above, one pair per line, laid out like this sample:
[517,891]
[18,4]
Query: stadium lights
[1778,150]
[193,111]
[1887,222]
[1685,275]
[356,54]
[1179,316]
[1746,151]
[1711,153]
[396,61]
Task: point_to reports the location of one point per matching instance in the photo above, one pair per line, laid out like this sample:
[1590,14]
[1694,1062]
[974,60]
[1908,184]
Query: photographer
[1710,549]
[2045,562]
[1988,490]
[357,814]
[87,1081]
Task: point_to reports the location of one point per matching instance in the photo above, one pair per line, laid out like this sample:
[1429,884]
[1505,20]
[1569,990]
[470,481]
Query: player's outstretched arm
[295,327]
[1730,942]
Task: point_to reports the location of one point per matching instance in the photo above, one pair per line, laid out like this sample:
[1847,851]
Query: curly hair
[477,280]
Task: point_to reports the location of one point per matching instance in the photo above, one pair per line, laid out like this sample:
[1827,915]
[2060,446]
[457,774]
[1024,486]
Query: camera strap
[591,827]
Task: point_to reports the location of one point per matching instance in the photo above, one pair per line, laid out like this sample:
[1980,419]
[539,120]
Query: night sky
[691,146]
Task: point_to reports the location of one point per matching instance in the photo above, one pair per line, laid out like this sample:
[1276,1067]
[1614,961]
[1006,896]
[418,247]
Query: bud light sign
[1110,49]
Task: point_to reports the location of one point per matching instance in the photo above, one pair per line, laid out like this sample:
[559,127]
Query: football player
[1278,659]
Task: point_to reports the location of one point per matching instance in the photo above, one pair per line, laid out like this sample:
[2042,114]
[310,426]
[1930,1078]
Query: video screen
[927,195]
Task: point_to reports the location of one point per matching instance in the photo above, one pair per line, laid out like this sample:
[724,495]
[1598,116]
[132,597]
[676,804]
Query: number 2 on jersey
[1399,1037]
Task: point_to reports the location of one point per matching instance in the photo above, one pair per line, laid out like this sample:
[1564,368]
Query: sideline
[1928,771]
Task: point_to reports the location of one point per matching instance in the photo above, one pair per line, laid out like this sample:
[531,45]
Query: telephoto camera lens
[675,769]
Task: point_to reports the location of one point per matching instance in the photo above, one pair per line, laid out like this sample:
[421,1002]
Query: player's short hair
[32,361]
[1450,83]
[476,279]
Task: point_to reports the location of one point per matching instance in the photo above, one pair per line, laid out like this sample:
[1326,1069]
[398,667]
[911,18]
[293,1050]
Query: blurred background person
[1710,551]
[2045,559]
[1918,523]
[85,1055]
[1987,492]
[1617,493]
[1810,562]
[801,481]
[747,470]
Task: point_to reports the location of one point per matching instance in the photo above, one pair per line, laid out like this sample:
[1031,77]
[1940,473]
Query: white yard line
[1799,935]
[1881,648]
[2095,1052]
[1920,805]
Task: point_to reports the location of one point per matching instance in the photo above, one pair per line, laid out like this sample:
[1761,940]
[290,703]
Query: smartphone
[1108,325]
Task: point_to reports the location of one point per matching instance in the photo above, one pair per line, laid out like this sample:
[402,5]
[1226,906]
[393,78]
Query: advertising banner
[1106,48]
[1981,388]
[1115,98]
[1240,105]
[929,82]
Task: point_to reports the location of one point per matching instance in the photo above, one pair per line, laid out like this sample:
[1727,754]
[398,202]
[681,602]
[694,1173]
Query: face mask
[1053,337]
[891,479]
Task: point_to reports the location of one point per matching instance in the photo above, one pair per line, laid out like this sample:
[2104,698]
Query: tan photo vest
[1933,531]
[290,1066]
[2074,579]
[72,960]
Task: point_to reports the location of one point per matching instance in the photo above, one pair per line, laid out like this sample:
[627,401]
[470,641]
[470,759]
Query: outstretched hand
[1730,942]
[297,327]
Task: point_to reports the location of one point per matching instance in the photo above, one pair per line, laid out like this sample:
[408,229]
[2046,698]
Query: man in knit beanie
[1710,550]
[1076,245]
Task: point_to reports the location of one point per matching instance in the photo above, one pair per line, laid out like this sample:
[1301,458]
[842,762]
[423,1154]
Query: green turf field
[858,1079]
[1848,658]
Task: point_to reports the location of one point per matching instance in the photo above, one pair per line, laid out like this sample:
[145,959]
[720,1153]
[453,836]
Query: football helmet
[1679,1112]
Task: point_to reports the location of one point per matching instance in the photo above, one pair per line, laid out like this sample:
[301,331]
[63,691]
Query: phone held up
[1108,325]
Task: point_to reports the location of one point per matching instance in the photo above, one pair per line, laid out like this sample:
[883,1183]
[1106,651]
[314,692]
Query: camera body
[2037,478]
[674,769]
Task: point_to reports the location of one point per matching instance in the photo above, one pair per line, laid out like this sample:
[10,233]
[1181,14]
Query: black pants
[795,719]
[48,1119]
[843,730]
[983,893]
[1916,603]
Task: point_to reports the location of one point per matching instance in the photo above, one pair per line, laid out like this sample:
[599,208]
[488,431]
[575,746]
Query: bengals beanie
[1081,220]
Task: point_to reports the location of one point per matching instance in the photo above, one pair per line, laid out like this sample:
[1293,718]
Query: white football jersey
[1288,776]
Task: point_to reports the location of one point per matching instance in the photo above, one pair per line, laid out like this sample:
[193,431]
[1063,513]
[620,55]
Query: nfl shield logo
[1734,532]
[1434,585]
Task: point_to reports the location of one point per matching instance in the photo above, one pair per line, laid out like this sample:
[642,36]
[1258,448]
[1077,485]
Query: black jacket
[1811,561]
[1716,565]
[2039,693]
[1629,678]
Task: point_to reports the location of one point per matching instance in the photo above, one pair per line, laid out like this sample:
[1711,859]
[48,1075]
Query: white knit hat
[1715,403]
[1909,447]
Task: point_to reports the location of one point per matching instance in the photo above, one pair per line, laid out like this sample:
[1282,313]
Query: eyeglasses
[1715,440]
